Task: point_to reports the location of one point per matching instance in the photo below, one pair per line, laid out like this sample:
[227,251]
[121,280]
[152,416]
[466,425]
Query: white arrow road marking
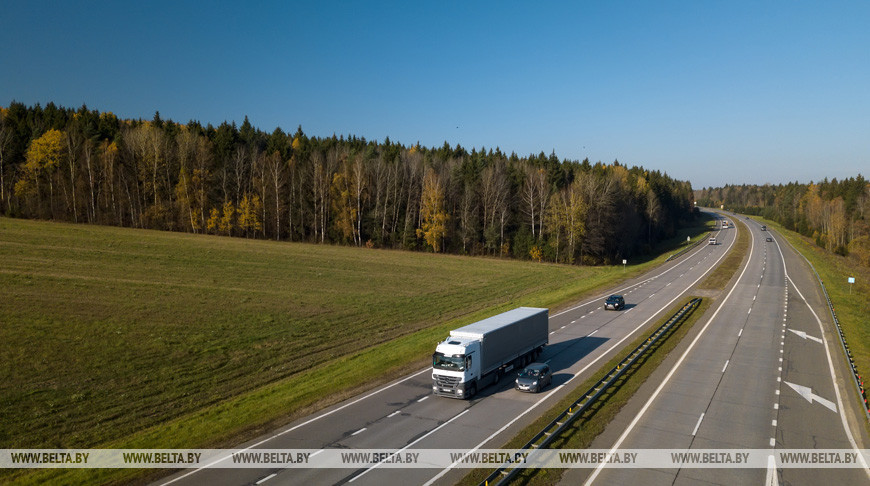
[806,336]
[807,393]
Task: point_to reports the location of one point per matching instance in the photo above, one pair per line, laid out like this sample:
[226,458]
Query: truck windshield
[441,362]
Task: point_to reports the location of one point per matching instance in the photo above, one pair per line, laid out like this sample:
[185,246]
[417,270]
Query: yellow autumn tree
[344,211]
[433,215]
[214,218]
[43,157]
[227,224]
[249,214]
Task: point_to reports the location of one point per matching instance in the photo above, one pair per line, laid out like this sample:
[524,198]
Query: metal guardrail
[552,431]
[859,383]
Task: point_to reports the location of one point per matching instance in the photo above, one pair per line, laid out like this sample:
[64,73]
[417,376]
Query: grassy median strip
[722,274]
[119,338]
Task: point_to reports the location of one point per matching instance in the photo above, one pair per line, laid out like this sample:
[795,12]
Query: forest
[85,166]
[835,214]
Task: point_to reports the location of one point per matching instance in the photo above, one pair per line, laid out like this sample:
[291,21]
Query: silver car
[534,377]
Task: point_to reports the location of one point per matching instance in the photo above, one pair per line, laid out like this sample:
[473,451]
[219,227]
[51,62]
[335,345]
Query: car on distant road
[769,239]
[534,377]
[615,302]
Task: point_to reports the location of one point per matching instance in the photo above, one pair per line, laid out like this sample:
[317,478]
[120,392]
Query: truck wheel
[472,391]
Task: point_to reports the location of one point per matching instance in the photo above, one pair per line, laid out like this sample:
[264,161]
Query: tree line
[85,166]
[835,214]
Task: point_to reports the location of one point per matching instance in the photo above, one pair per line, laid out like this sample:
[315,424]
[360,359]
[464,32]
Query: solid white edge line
[536,404]
[840,408]
[274,436]
[679,362]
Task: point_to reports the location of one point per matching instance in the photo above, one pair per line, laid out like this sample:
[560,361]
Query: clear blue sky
[713,92]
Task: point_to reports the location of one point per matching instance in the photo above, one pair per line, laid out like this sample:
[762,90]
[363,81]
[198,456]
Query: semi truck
[477,355]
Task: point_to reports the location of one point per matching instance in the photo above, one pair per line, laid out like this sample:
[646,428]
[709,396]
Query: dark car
[769,239]
[534,377]
[615,302]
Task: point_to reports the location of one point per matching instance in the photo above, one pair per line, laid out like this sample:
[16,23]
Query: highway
[405,413]
[760,373]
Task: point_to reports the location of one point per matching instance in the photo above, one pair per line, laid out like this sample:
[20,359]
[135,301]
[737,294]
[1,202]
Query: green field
[115,337]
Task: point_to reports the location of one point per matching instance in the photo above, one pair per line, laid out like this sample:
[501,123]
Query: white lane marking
[360,431]
[436,429]
[726,365]
[268,478]
[591,333]
[563,327]
[806,336]
[776,406]
[397,412]
[667,378]
[740,333]
[695,431]
[554,332]
[773,422]
[574,321]
[420,400]
[772,441]
[291,429]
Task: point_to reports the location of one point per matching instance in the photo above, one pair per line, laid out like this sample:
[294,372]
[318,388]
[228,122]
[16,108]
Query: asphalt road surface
[406,415]
[762,373]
